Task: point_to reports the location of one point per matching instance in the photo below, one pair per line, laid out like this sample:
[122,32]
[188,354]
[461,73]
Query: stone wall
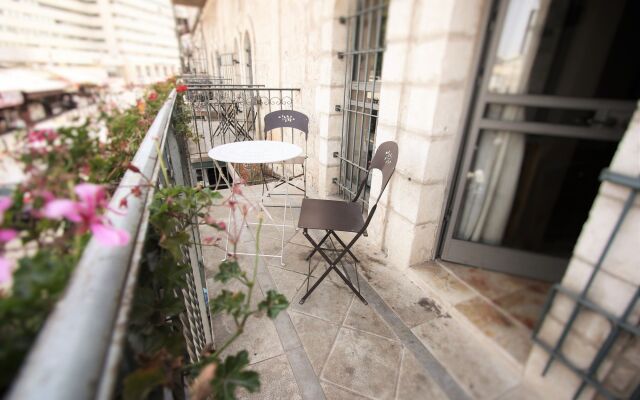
[294,44]
[426,77]
[612,289]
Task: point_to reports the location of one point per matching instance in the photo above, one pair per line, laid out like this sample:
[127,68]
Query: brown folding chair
[287,119]
[341,216]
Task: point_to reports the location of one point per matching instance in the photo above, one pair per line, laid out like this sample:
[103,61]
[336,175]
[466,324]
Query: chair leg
[319,244]
[332,266]
[344,246]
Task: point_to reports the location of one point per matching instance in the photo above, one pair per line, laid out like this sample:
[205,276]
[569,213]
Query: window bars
[620,325]
[363,68]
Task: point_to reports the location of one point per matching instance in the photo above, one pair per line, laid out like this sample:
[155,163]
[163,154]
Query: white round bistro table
[257,152]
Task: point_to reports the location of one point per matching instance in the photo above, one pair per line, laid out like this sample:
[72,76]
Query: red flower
[181,88]
[153,96]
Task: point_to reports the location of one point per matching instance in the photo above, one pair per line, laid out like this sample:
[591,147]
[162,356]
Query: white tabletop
[255,152]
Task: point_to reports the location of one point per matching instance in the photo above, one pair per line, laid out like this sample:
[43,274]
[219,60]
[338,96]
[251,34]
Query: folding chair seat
[341,216]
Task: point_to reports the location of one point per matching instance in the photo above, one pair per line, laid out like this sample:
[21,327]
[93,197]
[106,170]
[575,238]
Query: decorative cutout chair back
[385,160]
[287,119]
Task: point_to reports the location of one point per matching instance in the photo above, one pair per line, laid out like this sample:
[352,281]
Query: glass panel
[531,192]
[572,48]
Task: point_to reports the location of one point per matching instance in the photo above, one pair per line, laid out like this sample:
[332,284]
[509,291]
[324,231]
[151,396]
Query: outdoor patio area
[403,345]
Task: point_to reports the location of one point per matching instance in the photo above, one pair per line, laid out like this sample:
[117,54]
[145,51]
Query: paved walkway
[403,345]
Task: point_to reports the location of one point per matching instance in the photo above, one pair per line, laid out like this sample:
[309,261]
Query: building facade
[91,40]
[506,112]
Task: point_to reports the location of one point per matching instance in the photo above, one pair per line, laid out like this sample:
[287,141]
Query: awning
[30,81]
[81,75]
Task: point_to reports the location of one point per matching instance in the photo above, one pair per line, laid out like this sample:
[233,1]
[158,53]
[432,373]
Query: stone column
[426,74]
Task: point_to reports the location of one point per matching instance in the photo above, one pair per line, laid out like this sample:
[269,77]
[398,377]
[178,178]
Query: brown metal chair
[288,119]
[334,215]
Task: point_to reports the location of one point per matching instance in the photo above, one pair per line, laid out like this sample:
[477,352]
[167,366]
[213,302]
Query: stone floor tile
[317,337]
[411,303]
[511,336]
[277,381]
[415,382]
[448,287]
[260,337]
[330,301]
[364,363]
[365,318]
[489,283]
[332,392]
[288,282]
[480,371]
[525,305]
[520,392]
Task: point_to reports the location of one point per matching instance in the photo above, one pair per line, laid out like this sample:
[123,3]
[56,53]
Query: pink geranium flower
[86,213]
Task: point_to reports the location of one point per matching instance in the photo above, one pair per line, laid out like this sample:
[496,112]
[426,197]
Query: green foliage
[231,374]
[273,304]
[53,169]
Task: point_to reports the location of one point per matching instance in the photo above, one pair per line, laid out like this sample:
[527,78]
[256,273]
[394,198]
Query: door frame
[509,260]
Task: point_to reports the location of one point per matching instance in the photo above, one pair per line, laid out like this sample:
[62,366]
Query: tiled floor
[403,345]
[503,307]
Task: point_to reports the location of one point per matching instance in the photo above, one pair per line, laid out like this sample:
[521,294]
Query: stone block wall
[426,77]
[612,289]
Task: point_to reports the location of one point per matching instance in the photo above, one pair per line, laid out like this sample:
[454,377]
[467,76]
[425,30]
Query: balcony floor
[403,345]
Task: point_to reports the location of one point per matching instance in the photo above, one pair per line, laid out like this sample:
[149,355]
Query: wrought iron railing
[224,113]
[620,325]
[78,351]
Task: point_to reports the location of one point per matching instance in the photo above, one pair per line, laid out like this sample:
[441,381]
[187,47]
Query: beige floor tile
[288,282]
[366,319]
[511,336]
[520,392]
[330,301]
[415,383]
[480,371]
[525,305]
[317,337]
[448,287]
[365,363]
[411,302]
[260,337]
[277,381]
[333,392]
[489,283]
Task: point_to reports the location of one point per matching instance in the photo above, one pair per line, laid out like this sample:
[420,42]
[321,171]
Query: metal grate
[363,68]
[621,328]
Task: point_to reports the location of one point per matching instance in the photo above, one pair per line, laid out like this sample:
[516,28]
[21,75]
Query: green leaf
[273,303]
[229,270]
[140,383]
[231,302]
[175,242]
[231,374]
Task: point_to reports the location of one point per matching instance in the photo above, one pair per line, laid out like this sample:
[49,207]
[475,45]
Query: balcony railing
[79,350]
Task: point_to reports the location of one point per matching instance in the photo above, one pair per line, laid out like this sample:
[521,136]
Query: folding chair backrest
[287,119]
[385,160]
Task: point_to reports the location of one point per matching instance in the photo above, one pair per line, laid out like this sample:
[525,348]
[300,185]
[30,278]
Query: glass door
[559,86]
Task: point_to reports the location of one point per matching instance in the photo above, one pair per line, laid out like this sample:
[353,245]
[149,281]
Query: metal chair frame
[287,119]
[385,160]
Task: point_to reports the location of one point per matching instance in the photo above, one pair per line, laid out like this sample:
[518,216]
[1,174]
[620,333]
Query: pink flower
[92,199]
[5,270]
[153,96]
[7,235]
[42,135]
[181,88]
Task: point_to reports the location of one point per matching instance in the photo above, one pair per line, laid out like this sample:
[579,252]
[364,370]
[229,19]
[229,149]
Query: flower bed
[49,219]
